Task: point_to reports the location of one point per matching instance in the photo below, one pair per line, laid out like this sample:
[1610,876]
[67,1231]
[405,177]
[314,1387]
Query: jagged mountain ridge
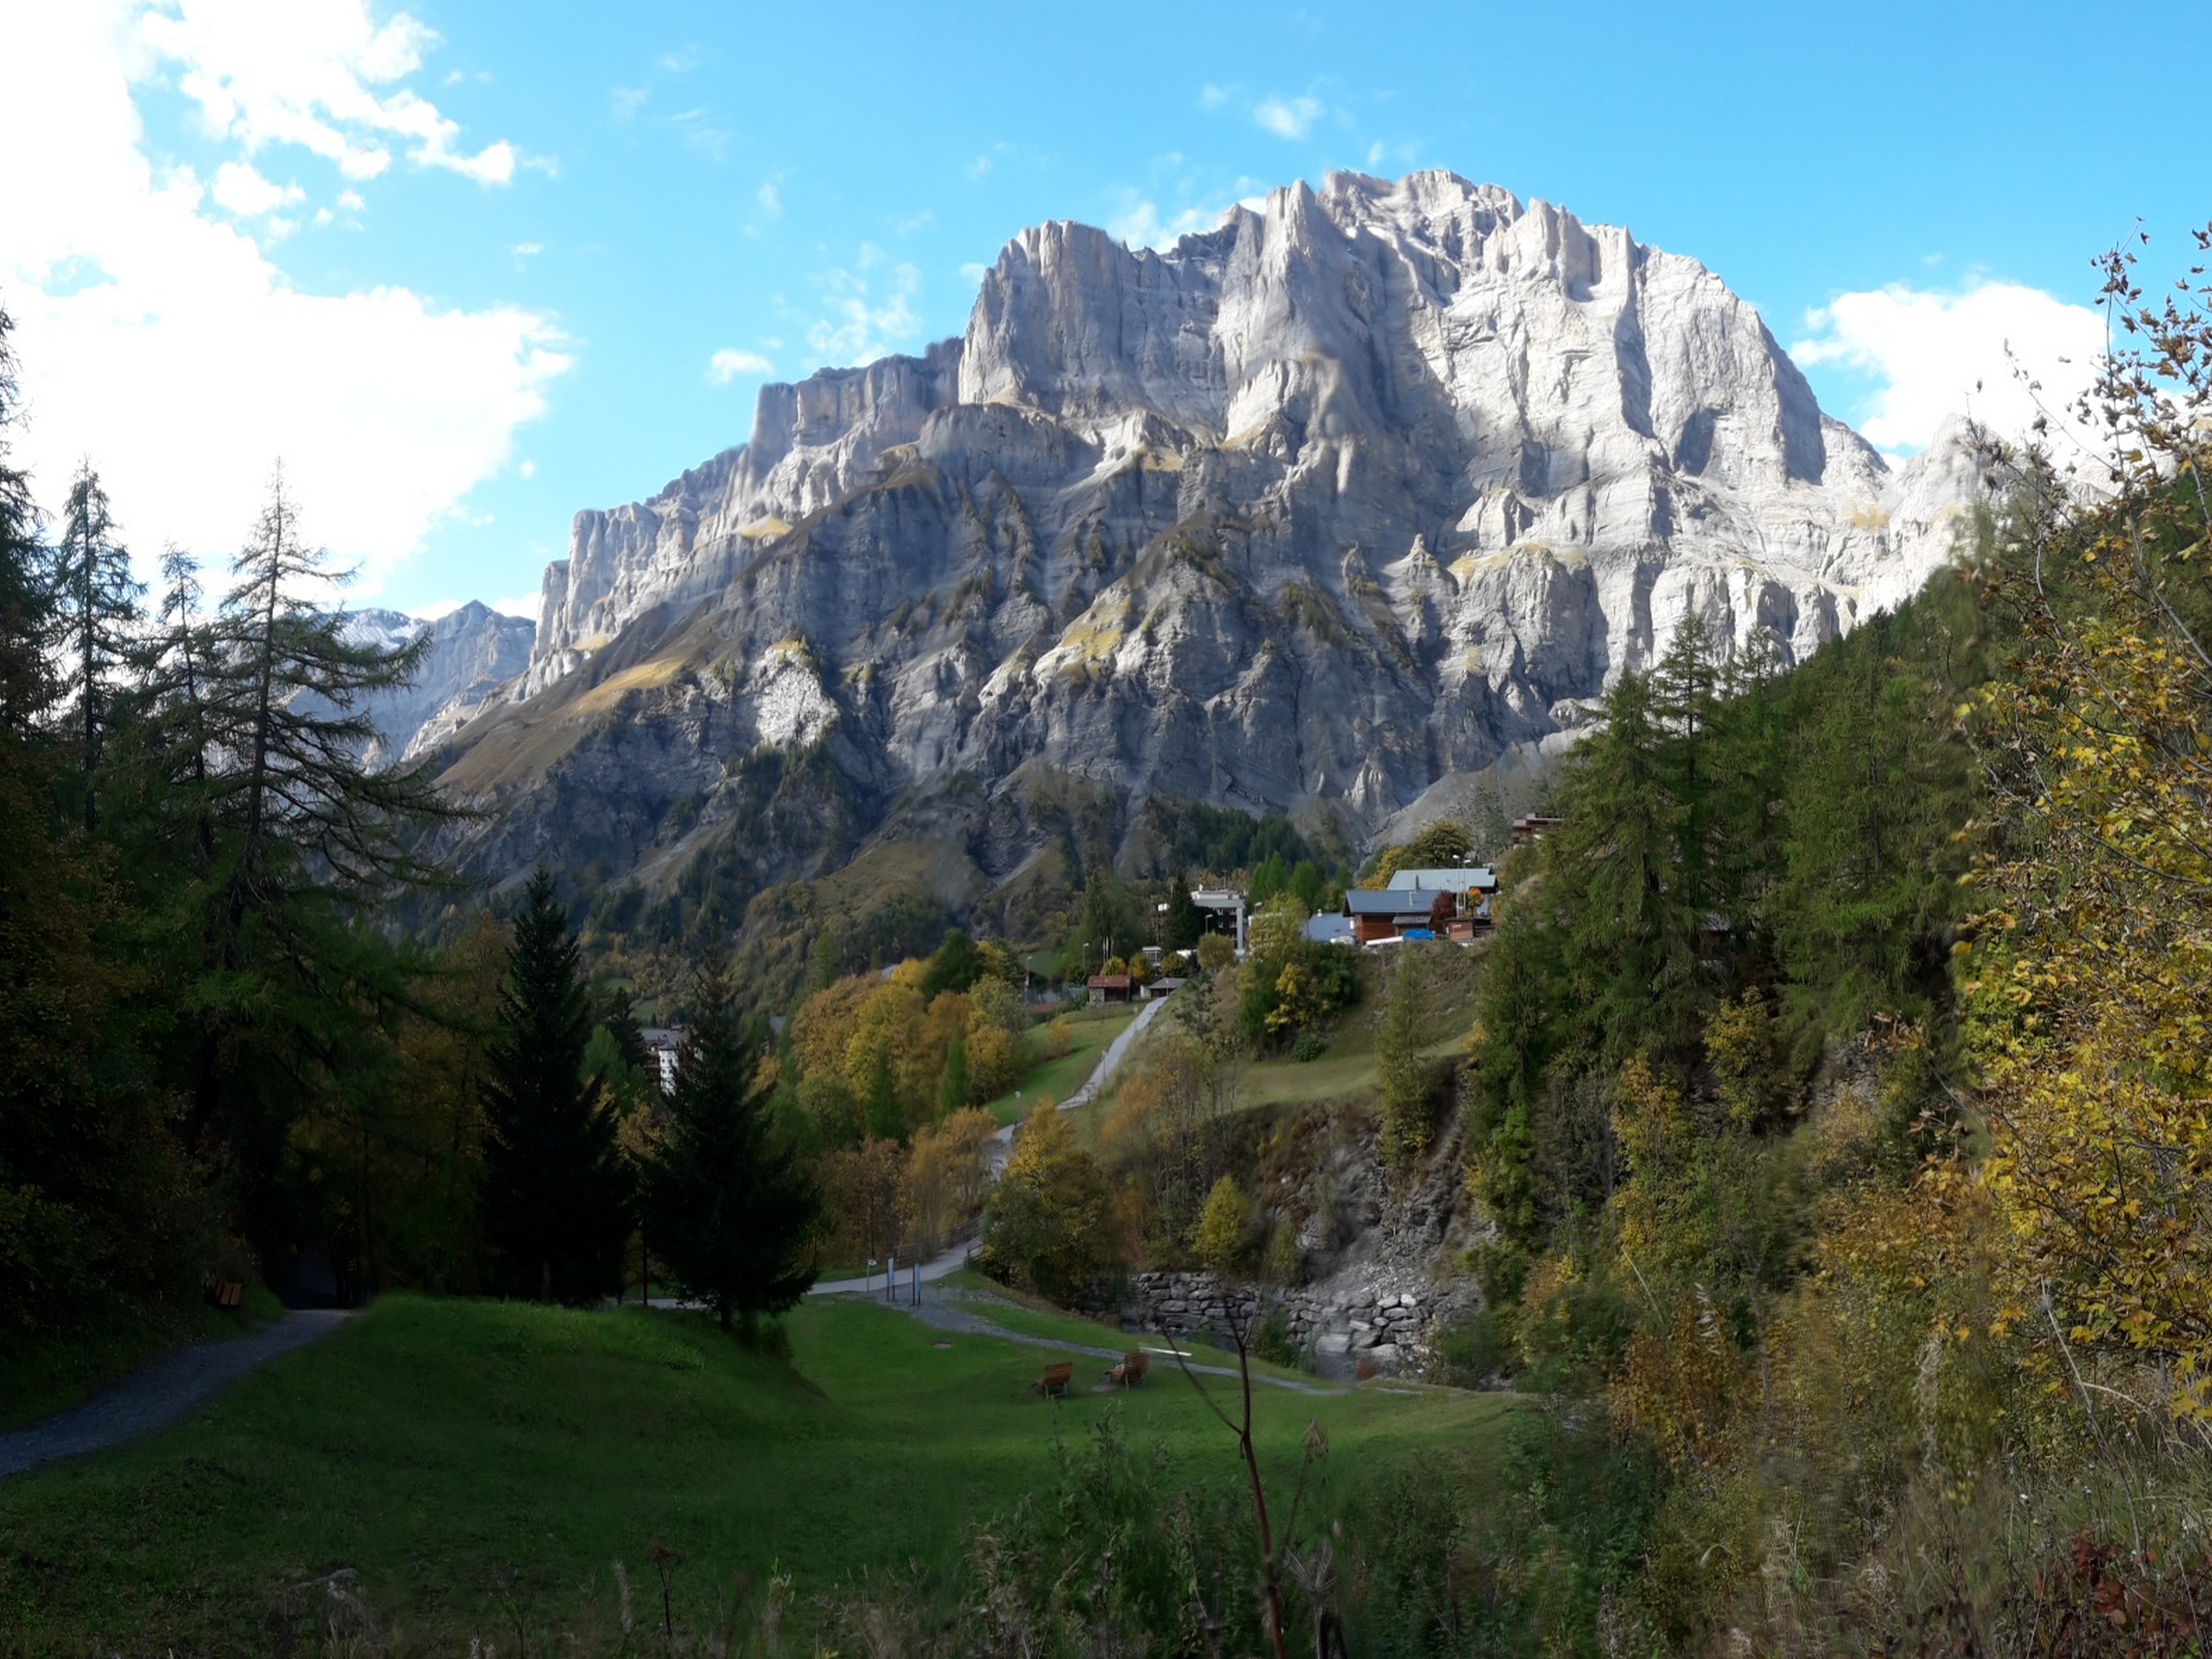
[476,653]
[1309,512]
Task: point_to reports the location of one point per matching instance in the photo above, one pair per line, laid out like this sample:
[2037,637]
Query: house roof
[1397,901]
[1329,930]
[1110,982]
[1480,879]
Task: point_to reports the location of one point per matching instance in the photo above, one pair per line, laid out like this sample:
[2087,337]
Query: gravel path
[154,1397]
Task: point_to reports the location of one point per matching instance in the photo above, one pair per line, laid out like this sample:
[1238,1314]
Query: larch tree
[95,614]
[298,837]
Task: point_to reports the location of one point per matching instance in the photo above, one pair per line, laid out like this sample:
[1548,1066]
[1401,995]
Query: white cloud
[771,200]
[322,74]
[624,102]
[1141,223]
[1212,97]
[974,274]
[1288,117]
[1933,353]
[1192,203]
[865,322]
[527,250]
[702,130]
[240,186]
[528,468]
[982,167]
[158,338]
[526,605]
[726,366]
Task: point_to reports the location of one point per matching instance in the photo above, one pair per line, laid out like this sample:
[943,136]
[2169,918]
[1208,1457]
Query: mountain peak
[1129,525]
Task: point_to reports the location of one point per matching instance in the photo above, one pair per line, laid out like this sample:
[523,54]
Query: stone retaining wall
[1338,1325]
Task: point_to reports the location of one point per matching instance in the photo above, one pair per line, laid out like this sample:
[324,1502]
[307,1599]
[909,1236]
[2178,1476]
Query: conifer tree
[954,1093]
[94,1208]
[728,1205]
[95,611]
[886,1119]
[622,1023]
[1628,944]
[255,759]
[554,1196]
[954,968]
[1405,1079]
[26,683]
[1185,922]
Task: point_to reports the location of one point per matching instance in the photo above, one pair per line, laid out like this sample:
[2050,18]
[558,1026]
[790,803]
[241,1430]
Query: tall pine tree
[96,611]
[730,1207]
[555,1193]
[1186,922]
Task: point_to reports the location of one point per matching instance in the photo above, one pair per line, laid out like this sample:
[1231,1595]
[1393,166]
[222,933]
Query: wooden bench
[1055,1380]
[229,1293]
[1130,1371]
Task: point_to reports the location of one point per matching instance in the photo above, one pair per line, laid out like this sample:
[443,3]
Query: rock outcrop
[1307,514]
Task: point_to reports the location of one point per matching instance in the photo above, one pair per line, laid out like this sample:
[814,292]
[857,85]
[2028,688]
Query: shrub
[1476,1350]
[1270,1338]
[1223,1226]
[1050,1222]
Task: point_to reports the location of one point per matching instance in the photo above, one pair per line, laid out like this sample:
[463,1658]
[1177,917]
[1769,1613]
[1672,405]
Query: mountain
[1314,513]
[474,652]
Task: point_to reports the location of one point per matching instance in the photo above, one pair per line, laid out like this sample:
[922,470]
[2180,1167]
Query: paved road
[156,1396]
[954,1258]
[1116,1051]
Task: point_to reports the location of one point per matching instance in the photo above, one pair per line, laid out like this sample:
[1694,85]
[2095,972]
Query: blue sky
[468,267]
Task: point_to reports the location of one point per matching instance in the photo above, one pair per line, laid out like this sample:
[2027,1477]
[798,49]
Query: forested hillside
[1838,1087]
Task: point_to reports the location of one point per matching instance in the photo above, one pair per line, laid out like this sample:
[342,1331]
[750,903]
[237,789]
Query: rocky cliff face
[1312,512]
[474,653]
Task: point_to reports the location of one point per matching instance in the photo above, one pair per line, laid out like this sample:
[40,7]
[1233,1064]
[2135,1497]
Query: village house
[1437,904]
[662,1043]
[1111,988]
[1226,912]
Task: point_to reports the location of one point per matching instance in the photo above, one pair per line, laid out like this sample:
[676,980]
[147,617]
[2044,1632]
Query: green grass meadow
[480,1463]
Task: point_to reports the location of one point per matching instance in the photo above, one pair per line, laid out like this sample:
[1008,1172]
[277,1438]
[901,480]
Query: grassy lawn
[40,1378]
[1093,1029]
[478,1463]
